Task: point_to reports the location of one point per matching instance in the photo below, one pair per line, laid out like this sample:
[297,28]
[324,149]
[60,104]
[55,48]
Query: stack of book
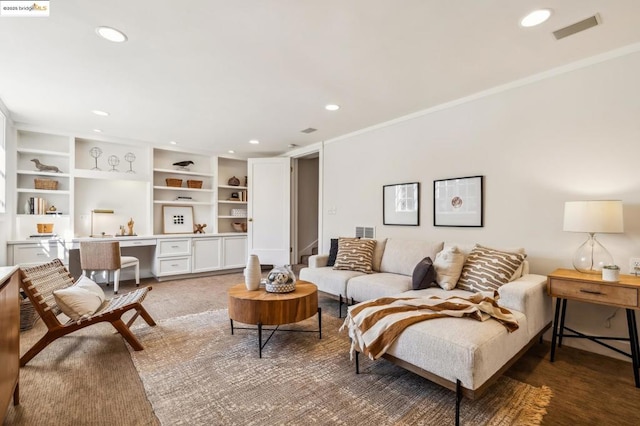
[36,205]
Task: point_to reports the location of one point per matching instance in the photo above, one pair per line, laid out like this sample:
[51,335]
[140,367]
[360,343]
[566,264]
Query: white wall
[569,136]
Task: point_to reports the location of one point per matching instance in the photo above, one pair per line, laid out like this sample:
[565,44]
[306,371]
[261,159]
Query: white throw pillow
[80,300]
[448,263]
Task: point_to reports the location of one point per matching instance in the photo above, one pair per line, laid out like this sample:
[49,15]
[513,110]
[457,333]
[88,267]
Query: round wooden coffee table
[261,308]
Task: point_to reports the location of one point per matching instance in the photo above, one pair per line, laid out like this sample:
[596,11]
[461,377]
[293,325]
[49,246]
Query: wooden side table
[261,308]
[568,284]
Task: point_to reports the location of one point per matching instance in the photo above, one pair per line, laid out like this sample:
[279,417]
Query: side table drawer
[594,292]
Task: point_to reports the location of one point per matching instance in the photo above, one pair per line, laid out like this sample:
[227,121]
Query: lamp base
[591,256]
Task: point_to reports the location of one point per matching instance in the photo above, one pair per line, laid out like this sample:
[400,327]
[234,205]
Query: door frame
[295,155]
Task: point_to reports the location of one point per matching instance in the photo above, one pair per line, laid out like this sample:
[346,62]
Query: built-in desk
[160,256]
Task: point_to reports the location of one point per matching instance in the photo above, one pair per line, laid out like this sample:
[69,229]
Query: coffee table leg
[231,326]
[320,322]
[260,339]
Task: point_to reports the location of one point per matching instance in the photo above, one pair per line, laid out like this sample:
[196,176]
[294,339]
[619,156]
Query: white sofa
[461,354]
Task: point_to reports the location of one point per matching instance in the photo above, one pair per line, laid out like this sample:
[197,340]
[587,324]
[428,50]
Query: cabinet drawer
[174,266]
[594,292]
[173,247]
[36,253]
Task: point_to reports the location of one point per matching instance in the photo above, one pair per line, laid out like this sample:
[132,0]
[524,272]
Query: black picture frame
[459,202]
[401,204]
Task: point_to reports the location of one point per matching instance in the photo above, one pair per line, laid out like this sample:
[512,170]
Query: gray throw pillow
[424,274]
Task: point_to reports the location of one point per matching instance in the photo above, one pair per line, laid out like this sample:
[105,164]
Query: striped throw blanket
[375,325]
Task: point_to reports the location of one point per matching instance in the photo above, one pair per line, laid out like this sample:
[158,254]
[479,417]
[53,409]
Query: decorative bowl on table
[280,279]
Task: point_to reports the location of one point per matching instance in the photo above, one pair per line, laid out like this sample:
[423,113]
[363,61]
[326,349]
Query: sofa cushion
[329,280]
[460,348]
[378,251]
[333,252]
[448,265]
[487,269]
[424,274]
[355,254]
[382,284]
[401,256]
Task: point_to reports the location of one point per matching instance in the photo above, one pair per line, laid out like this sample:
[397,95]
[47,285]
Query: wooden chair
[105,256]
[39,282]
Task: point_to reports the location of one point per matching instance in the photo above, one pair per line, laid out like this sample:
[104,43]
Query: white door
[268,209]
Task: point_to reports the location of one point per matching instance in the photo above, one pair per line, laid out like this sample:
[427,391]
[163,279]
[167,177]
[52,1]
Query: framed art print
[177,219]
[401,204]
[458,202]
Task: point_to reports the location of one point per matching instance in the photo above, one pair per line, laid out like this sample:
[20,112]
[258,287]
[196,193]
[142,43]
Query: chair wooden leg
[145,315]
[37,348]
[127,334]
[137,274]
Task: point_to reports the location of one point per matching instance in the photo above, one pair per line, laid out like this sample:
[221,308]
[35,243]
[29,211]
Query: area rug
[195,372]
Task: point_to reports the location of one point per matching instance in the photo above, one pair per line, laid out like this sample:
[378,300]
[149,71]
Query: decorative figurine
[113,161]
[130,157]
[233,181]
[183,165]
[130,226]
[95,152]
[199,228]
[44,167]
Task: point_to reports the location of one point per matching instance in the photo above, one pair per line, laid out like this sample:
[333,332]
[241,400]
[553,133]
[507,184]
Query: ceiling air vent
[577,27]
[365,232]
[308,130]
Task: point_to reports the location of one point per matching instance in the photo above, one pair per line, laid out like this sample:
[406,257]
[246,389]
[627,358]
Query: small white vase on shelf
[252,273]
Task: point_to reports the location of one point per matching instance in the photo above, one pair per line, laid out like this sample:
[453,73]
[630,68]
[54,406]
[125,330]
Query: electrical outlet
[634,266]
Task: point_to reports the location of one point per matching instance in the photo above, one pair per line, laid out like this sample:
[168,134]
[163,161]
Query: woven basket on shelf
[46,184]
[174,182]
[194,184]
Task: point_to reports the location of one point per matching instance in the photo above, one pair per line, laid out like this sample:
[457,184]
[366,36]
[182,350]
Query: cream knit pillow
[448,263]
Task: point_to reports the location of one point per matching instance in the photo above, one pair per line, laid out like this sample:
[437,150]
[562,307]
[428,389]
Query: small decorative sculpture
[44,167]
[246,181]
[130,157]
[53,208]
[234,181]
[130,226]
[113,161]
[95,152]
[199,228]
[183,165]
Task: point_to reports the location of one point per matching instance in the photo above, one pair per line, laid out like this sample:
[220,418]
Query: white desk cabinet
[235,251]
[207,254]
[173,257]
[34,252]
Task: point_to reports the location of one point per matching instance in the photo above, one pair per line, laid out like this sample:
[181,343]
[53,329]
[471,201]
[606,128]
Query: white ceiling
[213,74]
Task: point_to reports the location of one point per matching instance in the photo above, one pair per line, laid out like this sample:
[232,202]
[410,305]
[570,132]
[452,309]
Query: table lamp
[98,211]
[593,217]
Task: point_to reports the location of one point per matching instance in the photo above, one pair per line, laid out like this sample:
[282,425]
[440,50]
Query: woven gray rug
[195,372]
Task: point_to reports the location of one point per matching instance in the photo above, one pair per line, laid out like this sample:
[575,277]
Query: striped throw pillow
[487,269]
[355,254]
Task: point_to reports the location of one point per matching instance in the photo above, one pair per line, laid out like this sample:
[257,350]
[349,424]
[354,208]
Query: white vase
[252,273]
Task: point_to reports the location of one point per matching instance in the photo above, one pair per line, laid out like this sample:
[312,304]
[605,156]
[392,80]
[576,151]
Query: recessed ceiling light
[231,151]
[97,130]
[536,17]
[100,113]
[254,141]
[173,142]
[111,34]
[332,107]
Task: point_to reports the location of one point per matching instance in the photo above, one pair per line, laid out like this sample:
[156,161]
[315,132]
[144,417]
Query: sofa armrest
[318,260]
[528,294]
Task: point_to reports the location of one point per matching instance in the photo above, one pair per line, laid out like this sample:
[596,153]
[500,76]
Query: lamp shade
[593,216]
